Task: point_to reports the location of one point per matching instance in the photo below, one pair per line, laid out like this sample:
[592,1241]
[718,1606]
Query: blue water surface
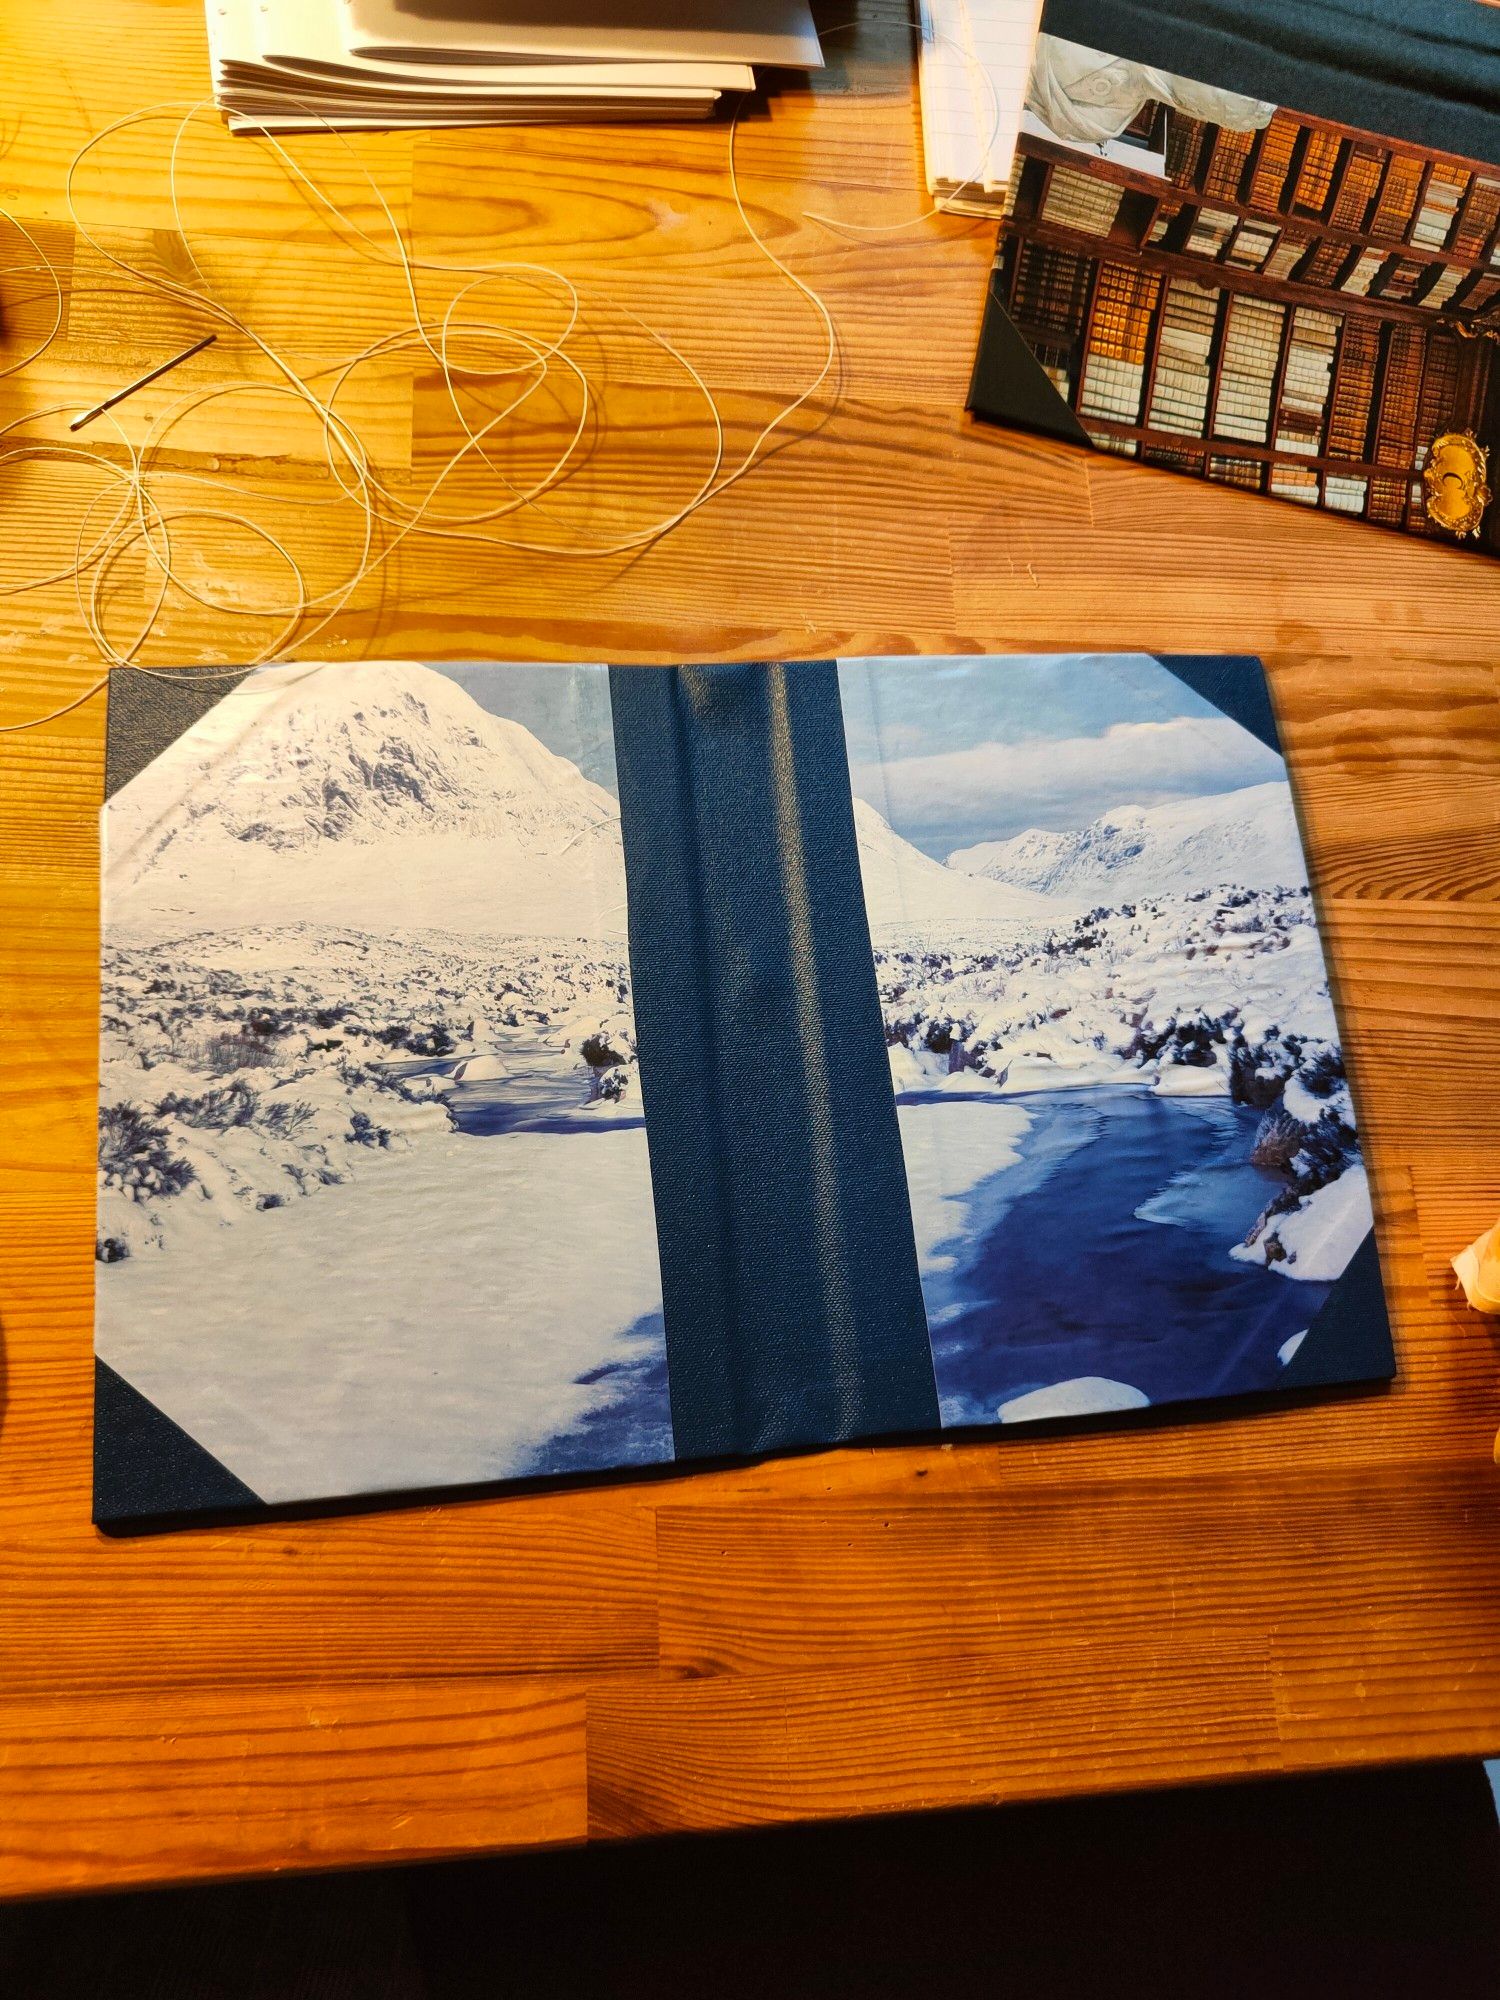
[1112,1260]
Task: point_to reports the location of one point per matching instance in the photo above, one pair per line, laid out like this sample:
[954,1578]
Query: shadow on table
[1379,1883]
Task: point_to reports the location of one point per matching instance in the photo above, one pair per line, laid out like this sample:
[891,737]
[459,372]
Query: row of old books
[1179,394]
[1259,344]
[1210,280]
[1353,188]
[288,65]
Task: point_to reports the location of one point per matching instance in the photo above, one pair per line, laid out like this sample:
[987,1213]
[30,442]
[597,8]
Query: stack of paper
[286,65]
[974,63]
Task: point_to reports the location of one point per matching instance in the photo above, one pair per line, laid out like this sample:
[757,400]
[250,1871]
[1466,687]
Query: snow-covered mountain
[906,889]
[374,797]
[1247,838]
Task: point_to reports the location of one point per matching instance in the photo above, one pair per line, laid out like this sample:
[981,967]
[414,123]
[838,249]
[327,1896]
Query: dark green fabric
[147,711]
[1422,70]
[789,1269]
[147,1470]
[1010,385]
[1236,685]
[1350,1338]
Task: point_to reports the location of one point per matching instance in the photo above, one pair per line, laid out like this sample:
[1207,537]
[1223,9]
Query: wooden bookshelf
[1300,309]
[1471,246]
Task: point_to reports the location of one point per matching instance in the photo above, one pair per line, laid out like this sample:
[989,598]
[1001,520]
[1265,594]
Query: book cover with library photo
[1219,284]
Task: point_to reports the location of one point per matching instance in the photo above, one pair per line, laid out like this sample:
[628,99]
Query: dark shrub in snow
[281,1117]
[1277,1139]
[1326,1150]
[215,1110]
[436,1040]
[1311,1153]
[134,1153]
[266,1022]
[1323,1074]
[1258,1075]
[430,1038]
[1194,1043]
[223,1054]
[598,1054]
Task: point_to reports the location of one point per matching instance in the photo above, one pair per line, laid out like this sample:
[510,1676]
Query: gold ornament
[1455,483]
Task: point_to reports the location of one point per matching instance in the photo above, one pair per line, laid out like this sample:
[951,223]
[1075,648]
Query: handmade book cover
[1260,244]
[523,1071]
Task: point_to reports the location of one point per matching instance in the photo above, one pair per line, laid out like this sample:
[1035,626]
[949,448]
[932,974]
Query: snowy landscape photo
[1129,1138]
[375,1206]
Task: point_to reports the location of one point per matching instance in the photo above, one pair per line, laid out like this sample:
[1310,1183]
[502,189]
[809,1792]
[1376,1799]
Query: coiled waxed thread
[141,520]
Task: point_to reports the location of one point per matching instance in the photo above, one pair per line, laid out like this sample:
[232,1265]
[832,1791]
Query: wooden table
[852,1632]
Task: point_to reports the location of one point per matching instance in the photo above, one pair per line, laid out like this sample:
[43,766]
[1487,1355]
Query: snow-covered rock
[1246,837]
[1315,1240]
[907,1072]
[1082,1396]
[1180,1079]
[486,1068]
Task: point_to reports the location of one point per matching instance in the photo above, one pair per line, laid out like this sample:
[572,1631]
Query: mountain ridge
[381,796]
[384,797]
[1246,838]
[906,888]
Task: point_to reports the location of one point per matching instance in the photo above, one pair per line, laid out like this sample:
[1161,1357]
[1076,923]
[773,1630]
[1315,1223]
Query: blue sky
[566,707]
[957,751]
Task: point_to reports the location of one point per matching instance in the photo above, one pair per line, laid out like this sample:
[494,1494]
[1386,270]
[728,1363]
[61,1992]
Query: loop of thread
[494,353]
[130,513]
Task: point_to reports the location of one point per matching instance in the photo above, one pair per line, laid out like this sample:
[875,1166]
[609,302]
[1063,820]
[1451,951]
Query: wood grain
[769,1748]
[842,1632]
[290,1777]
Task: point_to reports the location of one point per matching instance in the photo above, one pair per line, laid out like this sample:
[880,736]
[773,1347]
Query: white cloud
[1068,780]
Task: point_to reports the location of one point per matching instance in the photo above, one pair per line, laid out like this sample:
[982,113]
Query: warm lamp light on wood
[1478,1269]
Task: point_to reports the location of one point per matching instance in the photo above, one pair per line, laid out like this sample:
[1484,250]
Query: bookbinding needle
[141,381]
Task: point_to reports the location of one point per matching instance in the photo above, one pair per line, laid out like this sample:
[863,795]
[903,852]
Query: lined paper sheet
[974,63]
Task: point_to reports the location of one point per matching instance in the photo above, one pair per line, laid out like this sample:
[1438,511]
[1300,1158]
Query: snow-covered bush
[1308,1136]
[135,1154]
[224,1054]
[1197,982]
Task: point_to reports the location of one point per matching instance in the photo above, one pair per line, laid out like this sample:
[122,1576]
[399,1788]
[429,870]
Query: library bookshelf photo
[1265,299]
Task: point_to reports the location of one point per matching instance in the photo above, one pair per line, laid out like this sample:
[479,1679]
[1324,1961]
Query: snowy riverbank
[1213,995]
[254,1070]
[1077,1251]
